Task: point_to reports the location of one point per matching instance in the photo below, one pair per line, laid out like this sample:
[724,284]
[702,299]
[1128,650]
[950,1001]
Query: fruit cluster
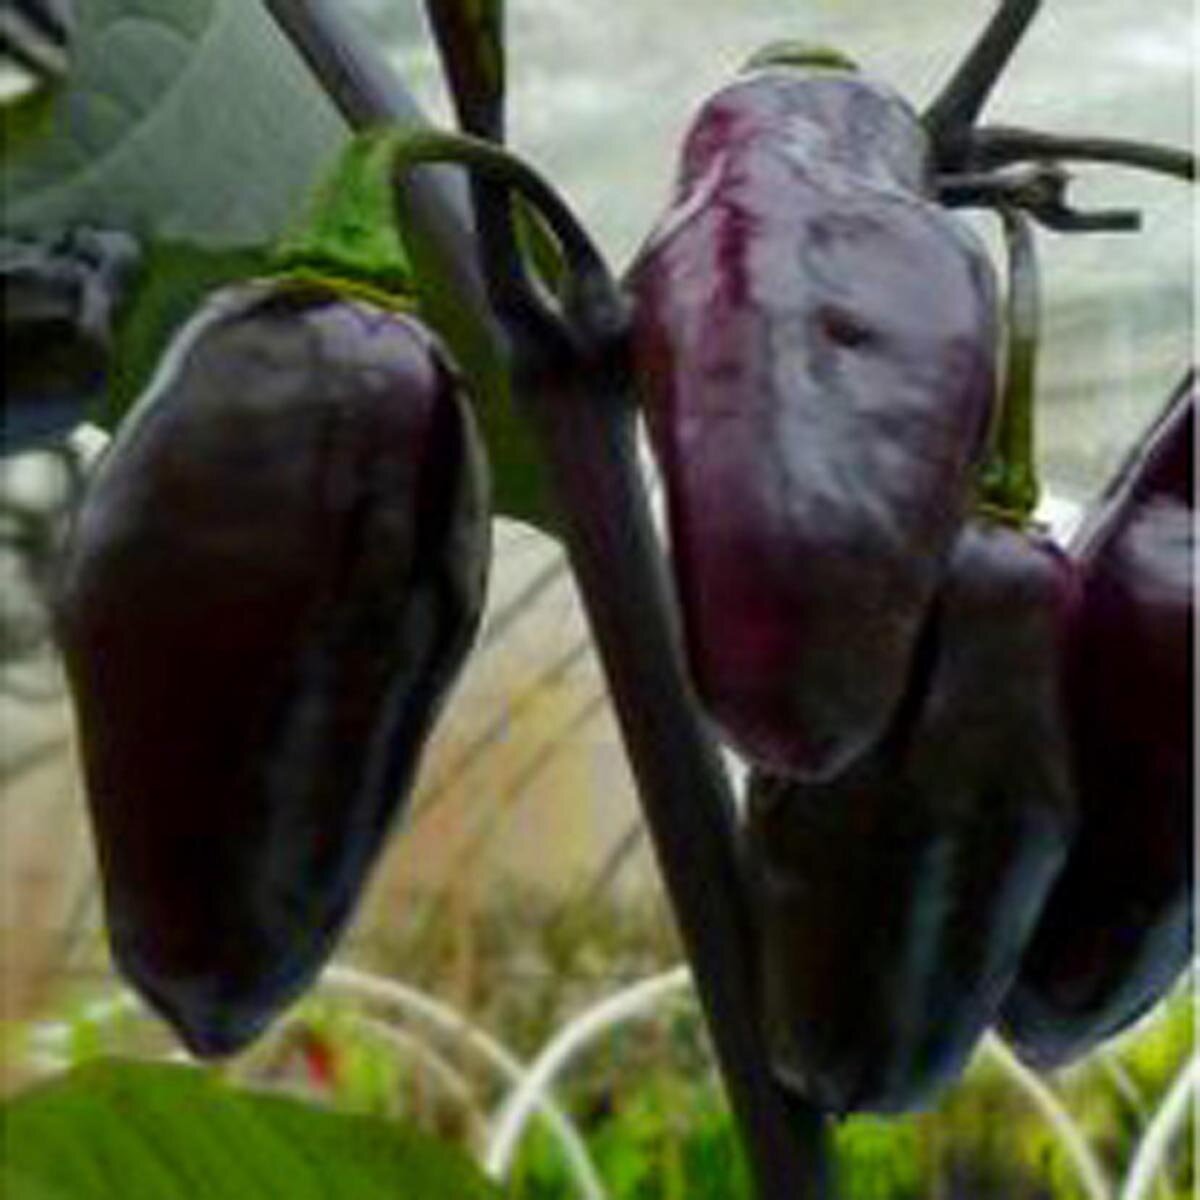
[969,802]
[970,796]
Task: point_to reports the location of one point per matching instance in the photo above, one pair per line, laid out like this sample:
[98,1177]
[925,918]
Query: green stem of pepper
[812,56]
[592,301]
[1008,484]
[347,234]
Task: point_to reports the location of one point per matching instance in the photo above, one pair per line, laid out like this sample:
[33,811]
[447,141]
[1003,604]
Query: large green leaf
[193,125]
[117,1130]
[188,120]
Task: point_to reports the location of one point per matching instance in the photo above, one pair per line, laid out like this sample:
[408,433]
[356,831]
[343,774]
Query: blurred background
[521,887]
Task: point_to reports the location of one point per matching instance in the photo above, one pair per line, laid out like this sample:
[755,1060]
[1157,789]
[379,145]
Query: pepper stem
[1008,483]
[1038,189]
[998,145]
[592,304]
[949,119]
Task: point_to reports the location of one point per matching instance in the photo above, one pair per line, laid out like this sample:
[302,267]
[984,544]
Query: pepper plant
[855,597]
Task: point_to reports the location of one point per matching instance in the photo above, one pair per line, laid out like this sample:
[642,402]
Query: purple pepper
[1117,931]
[269,590]
[895,901]
[814,344]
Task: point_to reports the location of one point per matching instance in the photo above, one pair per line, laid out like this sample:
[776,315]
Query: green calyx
[806,55]
[348,237]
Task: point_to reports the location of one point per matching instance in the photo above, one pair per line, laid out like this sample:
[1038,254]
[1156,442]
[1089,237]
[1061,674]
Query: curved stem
[957,107]
[594,298]
[1009,481]
[998,145]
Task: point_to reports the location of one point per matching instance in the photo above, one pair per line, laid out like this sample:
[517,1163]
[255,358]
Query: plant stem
[996,145]
[594,300]
[470,41]
[1010,476]
[957,107]
[359,82]
[1036,188]
[587,431]
[581,411]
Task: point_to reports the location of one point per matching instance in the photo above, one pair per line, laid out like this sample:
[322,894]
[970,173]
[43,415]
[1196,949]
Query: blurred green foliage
[667,1136]
[646,1097]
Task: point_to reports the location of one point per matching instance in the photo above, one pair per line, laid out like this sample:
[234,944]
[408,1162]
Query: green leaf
[187,120]
[135,1131]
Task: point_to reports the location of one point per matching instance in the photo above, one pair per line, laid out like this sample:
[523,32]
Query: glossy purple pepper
[270,588]
[896,900]
[814,342]
[1117,931]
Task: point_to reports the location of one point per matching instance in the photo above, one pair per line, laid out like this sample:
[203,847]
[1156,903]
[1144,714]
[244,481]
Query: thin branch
[997,145]
[958,105]
[1038,189]
[587,432]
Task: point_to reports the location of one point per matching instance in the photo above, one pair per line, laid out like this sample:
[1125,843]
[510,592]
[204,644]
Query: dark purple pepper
[814,343]
[896,900]
[270,588]
[1117,931]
